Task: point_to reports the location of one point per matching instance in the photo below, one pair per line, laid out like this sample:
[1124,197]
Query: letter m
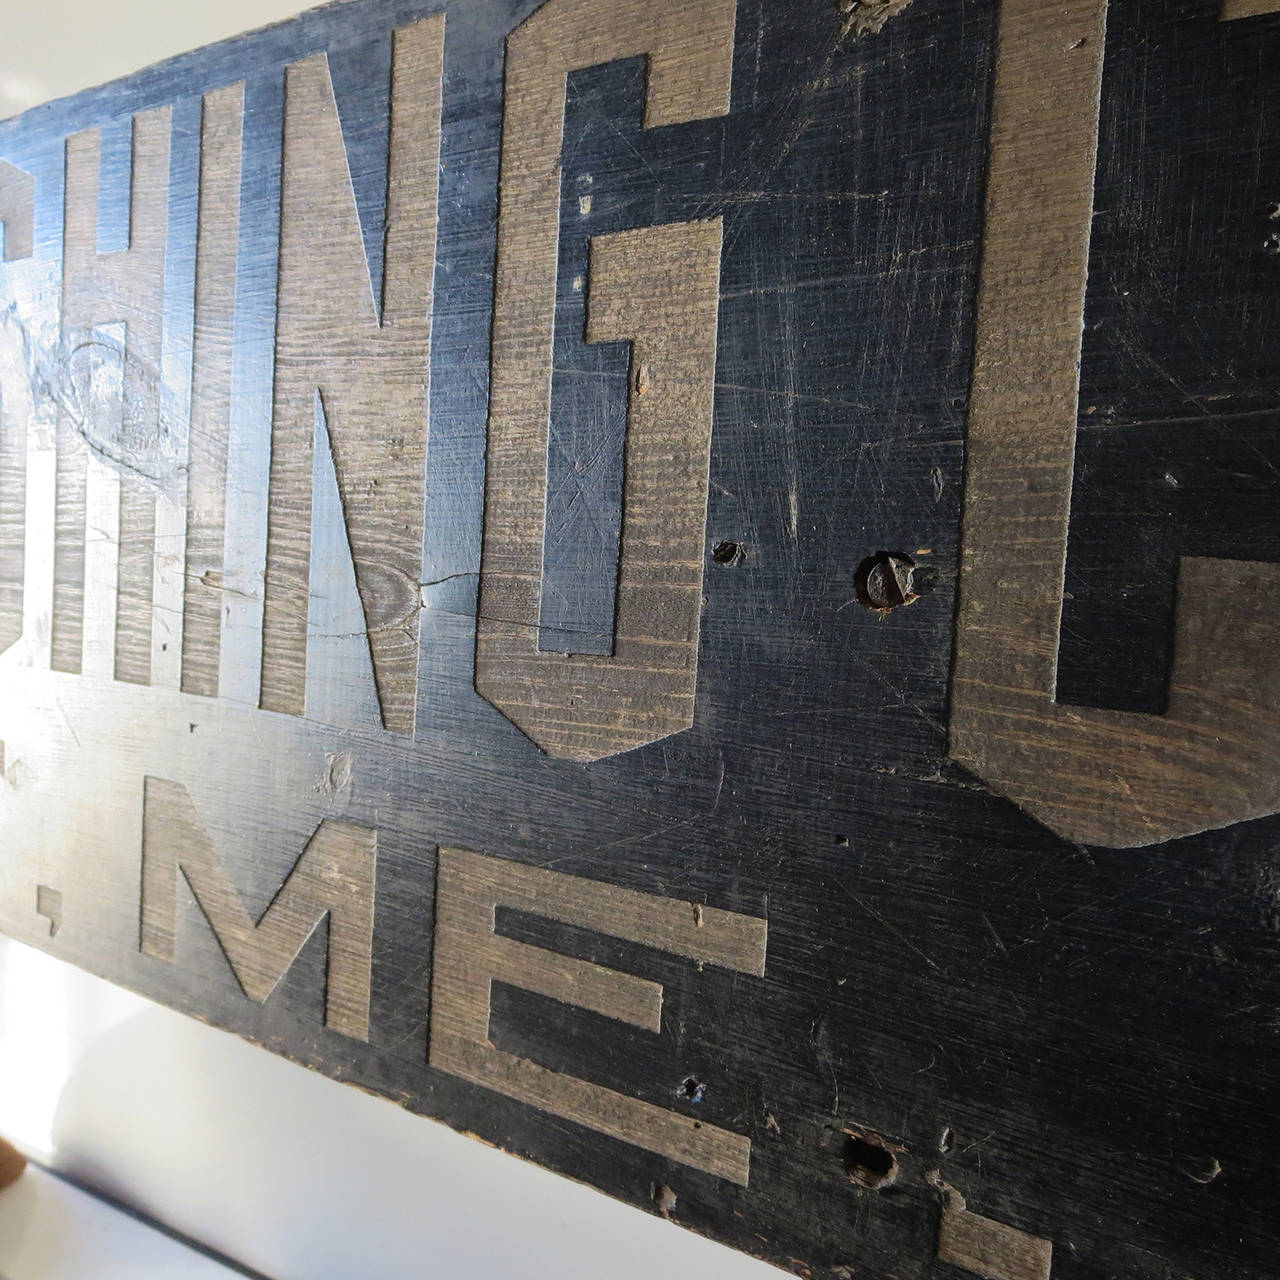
[333,878]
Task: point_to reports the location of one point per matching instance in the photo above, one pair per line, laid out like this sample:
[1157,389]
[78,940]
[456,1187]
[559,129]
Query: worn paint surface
[687,588]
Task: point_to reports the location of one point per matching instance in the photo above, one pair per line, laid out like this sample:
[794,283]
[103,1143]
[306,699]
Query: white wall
[284,1170]
[56,47]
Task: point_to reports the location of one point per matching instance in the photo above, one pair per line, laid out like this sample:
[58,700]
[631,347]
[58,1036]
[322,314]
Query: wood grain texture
[124,287]
[990,1249]
[666,283]
[1233,9]
[13,530]
[470,956]
[736,251]
[17,221]
[13,510]
[17,211]
[217,236]
[657,287]
[332,879]
[1097,776]
[369,372]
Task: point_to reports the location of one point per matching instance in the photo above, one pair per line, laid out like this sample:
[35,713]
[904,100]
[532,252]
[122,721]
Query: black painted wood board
[893,1019]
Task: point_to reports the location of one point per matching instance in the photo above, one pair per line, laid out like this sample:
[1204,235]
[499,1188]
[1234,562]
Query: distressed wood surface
[687,588]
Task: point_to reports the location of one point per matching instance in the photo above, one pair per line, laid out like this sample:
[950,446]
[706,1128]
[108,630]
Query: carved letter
[334,877]
[987,1248]
[371,374]
[1104,777]
[221,145]
[17,211]
[470,956]
[17,221]
[1233,9]
[657,287]
[100,290]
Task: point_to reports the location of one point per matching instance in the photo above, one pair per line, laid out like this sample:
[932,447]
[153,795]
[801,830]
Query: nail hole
[869,1163]
[729,553]
[692,1089]
[664,1198]
[842,842]
[887,580]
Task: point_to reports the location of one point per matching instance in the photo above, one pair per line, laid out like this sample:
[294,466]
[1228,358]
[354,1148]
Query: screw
[885,581]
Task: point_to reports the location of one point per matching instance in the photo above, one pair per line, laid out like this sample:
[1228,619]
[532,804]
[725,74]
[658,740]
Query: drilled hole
[728,553]
[692,1089]
[664,1198]
[869,1163]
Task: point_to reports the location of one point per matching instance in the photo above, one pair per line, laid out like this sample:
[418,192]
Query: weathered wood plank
[688,589]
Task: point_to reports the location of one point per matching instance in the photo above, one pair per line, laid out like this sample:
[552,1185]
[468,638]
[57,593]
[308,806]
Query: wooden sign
[691,588]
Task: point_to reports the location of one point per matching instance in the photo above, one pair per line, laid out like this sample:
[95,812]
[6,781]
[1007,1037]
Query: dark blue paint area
[586,436]
[115,186]
[361,76]
[253,367]
[470,141]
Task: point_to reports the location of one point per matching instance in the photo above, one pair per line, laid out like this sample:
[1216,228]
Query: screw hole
[887,580]
[691,1089]
[869,1163]
[664,1198]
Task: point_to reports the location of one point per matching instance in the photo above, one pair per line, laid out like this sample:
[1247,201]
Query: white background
[282,1169]
[273,1165]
